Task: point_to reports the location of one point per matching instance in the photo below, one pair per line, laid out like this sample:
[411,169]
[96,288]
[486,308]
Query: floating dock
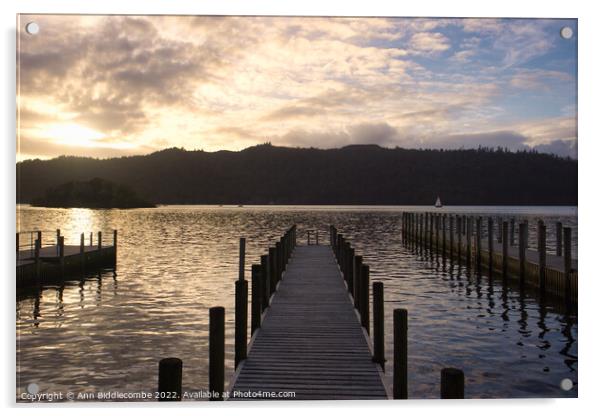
[40,264]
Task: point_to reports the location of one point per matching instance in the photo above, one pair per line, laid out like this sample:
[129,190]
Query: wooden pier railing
[460,238]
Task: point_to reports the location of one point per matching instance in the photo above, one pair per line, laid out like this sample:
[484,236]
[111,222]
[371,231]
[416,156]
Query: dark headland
[358,174]
[96,193]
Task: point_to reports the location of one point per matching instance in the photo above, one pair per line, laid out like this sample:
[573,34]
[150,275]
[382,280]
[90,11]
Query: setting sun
[73,134]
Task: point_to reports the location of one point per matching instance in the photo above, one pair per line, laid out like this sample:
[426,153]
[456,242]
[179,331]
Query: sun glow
[74,135]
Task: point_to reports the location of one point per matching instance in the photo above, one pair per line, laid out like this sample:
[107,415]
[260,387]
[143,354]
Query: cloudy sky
[108,86]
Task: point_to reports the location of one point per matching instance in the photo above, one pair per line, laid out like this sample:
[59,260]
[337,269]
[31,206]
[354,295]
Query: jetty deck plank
[311,341]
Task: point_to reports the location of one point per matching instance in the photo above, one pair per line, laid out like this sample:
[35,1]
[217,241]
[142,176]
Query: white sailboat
[438,203]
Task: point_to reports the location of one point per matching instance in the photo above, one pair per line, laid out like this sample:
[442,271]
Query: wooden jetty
[311,333]
[40,262]
[484,244]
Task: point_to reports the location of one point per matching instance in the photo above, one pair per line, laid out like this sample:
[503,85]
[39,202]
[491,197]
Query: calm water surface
[108,331]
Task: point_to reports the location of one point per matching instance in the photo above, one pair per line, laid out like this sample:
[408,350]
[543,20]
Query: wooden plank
[310,341]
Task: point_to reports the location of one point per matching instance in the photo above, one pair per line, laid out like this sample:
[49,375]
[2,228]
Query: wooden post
[37,248]
[216,352]
[350,266]
[272,269]
[99,240]
[256,298]
[91,239]
[40,238]
[558,238]
[499,229]
[437,226]
[82,252]
[451,239]
[479,243]
[490,244]
[522,248]
[443,242]
[378,323]
[542,251]
[452,383]
[265,279]
[357,276]
[61,246]
[459,231]
[512,231]
[365,297]
[431,223]
[505,249]
[568,267]
[278,261]
[170,380]
[317,237]
[400,354]
[58,237]
[468,223]
[241,258]
[240,321]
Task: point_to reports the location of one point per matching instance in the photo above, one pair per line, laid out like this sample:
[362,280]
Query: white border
[589,174]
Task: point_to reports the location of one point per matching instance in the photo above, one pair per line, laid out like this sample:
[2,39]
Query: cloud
[429,42]
[230,82]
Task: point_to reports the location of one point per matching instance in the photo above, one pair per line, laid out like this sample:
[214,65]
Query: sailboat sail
[438,203]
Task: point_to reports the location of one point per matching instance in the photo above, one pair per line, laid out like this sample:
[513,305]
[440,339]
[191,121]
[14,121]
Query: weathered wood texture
[311,341]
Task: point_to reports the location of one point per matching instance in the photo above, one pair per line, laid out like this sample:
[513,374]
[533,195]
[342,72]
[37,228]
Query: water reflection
[109,330]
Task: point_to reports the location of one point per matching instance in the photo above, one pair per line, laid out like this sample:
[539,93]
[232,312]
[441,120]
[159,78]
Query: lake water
[108,331]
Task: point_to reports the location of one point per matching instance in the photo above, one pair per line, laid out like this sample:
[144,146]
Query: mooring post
[365,297]
[437,226]
[82,252]
[61,245]
[542,250]
[452,383]
[58,237]
[512,231]
[400,354]
[170,380]
[39,233]
[490,244]
[558,238]
[240,321]
[522,250]
[451,239]
[91,239]
[459,231]
[99,240]
[357,276]
[443,229]
[431,223]
[499,229]
[308,240]
[350,268]
[241,258]
[256,297]
[568,267]
[216,353]
[278,261]
[505,249]
[317,237]
[265,279]
[479,242]
[468,222]
[272,269]
[378,323]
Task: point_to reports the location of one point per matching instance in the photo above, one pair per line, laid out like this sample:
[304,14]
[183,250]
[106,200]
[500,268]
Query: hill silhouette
[96,193]
[359,174]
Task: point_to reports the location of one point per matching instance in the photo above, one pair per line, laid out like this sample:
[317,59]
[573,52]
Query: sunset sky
[106,86]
